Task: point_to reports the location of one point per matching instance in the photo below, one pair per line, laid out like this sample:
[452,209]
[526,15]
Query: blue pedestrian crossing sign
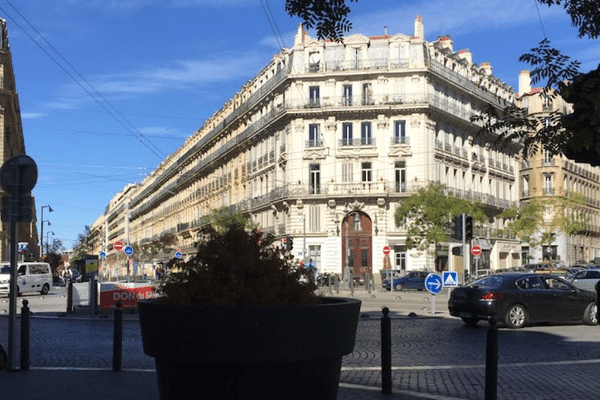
[433,283]
[450,278]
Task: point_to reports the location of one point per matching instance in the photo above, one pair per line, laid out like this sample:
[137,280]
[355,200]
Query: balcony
[400,140]
[357,142]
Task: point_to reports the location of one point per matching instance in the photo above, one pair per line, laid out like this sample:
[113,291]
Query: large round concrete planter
[220,352]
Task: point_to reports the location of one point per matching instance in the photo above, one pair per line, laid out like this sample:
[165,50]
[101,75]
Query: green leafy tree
[54,254]
[328,17]
[577,134]
[82,245]
[163,247]
[427,216]
[222,218]
[537,222]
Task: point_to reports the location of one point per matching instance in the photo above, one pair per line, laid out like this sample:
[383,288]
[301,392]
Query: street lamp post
[42,230]
[47,245]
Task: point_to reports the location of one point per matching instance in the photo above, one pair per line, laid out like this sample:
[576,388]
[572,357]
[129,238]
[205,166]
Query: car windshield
[491,281]
[4,269]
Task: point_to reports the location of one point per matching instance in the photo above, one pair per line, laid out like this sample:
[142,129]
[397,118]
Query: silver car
[585,279]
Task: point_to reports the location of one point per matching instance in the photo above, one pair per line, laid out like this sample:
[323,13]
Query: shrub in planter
[238,323]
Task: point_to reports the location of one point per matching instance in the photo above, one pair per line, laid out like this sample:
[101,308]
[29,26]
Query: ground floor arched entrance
[357,244]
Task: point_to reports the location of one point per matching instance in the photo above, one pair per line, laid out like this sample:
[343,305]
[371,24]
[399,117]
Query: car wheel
[470,321]
[45,289]
[516,316]
[590,316]
[398,287]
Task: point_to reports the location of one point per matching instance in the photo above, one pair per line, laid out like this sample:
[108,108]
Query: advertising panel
[127,293]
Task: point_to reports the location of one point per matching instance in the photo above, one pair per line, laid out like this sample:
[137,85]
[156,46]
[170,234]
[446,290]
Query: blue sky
[112,87]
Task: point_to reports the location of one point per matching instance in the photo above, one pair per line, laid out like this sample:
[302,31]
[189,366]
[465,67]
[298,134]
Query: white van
[31,277]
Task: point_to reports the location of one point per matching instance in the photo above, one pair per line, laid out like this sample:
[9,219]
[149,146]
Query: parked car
[410,280]
[585,279]
[480,273]
[517,299]
[31,277]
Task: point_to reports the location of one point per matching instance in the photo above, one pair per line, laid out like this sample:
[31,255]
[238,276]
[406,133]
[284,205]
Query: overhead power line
[98,98]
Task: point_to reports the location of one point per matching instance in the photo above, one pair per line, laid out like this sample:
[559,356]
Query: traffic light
[468,227]
[457,250]
[457,225]
[289,244]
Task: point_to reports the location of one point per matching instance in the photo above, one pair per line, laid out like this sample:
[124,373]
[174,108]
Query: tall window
[400,252]
[347,95]
[347,134]
[365,134]
[547,158]
[314,179]
[400,172]
[347,172]
[314,95]
[367,173]
[367,94]
[313,135]
[400,132]
[548,189]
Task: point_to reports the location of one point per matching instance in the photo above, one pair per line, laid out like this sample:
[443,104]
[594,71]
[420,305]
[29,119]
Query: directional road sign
[449,278]
[102,254]
[178,254]
[433,283]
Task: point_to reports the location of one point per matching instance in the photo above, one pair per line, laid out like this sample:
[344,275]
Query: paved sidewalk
[66,376]
[51,384]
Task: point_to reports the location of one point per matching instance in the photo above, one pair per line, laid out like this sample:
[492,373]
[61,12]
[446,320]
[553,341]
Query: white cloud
[30,115]
[179,75]
[452,17]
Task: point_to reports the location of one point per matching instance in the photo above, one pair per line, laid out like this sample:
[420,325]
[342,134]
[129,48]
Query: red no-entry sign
[476,250]
[118,245]
[386,250]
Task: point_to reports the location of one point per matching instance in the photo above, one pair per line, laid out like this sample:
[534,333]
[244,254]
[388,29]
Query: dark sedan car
[521,298]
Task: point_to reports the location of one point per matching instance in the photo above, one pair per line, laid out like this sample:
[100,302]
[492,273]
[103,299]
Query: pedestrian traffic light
[468,227]
[289,244]
[457,225]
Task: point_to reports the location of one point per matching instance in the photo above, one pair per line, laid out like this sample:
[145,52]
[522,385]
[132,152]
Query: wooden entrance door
[357,240]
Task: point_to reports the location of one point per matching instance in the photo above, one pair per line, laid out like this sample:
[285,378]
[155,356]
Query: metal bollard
[336,284]
[368,283]
[118,338]
[491,362]
[70,297]
[329,284]
[25,336]
[386,352]
[352,284]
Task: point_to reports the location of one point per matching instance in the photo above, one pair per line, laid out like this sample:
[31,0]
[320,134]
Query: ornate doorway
[357,239]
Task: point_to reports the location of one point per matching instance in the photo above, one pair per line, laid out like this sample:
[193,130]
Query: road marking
[398,391]
[432,367]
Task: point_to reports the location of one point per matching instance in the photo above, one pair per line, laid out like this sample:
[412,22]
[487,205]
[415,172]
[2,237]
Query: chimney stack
[524,82]
[419,28]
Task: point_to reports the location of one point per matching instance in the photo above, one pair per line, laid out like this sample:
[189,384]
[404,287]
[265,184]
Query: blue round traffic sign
[102,254]
[128,250]
[178,254]
[433,283]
